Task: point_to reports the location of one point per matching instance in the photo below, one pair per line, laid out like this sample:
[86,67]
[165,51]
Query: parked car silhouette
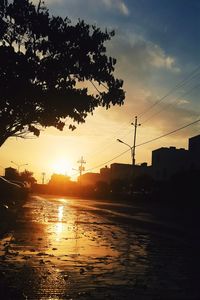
[23,184]
[10,192]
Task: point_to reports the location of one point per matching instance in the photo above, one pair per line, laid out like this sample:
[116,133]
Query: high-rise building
[194,152]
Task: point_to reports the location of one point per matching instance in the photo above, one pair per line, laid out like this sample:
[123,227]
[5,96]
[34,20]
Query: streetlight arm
[18,166]
[14,163]
[120,141]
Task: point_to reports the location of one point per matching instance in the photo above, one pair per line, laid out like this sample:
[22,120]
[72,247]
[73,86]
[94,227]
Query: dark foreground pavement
[64,248]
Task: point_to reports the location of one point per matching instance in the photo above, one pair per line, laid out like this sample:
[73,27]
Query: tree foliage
[27,176]
[51,70]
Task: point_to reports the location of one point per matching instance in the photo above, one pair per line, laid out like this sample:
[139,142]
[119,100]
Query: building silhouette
[166,162]
[89,179]
[194,152]
[11,173]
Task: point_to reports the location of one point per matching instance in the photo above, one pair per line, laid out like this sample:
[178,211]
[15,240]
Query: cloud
[119,5]
[149,72]
[183,102]
[47,2]
[159,59]
[54,1]
[94,8]
[139,59]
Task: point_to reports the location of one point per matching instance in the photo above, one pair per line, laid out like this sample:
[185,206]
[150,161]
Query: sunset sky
[157,47]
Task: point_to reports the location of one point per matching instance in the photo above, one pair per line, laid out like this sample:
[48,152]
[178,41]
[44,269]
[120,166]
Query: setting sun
[61,166]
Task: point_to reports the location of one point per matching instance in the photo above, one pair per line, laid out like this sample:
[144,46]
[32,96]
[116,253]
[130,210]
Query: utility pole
[134,139]
[43,177]
[81,167]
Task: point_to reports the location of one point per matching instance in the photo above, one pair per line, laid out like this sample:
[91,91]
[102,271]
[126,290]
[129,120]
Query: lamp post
[18,166]
[131,148]
[135,124]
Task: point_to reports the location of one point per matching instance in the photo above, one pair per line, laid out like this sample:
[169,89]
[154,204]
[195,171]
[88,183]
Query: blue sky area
[157,46]
[172,24]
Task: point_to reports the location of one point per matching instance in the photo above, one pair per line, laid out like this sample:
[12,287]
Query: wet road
[65,248]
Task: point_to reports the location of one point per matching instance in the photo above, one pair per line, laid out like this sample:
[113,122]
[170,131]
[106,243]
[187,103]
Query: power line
[173,131]
[95,152]
[152,140]
[186,80]
[180,84]
[103,164]
[171,104]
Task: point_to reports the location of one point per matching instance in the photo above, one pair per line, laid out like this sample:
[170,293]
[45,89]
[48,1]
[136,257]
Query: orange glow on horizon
[61,166]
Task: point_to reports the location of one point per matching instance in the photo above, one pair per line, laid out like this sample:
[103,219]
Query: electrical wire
[177,86]
[103,164]
[173,131]
[194,74]
[171,104]
[152,140]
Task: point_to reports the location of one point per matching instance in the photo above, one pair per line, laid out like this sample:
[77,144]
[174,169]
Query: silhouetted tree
[27,176]
[46,66]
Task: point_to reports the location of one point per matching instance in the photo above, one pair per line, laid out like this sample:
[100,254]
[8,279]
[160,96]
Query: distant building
[58,184]
[128,172]
[11,173]
[59,179]
[168,161]
[120,171]
[89,179]
[105,174]
[142,169]
[165,163]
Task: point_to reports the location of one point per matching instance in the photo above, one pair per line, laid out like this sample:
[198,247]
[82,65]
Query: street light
[135,124]
[18,166]
[131,148]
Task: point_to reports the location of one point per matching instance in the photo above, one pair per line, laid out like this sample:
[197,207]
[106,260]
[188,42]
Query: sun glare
[61,166]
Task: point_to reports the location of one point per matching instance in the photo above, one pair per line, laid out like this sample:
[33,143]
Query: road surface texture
[65,248]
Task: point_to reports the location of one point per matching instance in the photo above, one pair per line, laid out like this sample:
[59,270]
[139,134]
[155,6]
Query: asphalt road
[65,248]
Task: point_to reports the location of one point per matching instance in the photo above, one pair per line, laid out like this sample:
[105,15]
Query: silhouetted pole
[132,148]
[134,140]
[81,167]
[43,177]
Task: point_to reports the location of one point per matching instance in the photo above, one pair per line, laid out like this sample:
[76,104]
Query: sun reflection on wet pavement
[60,249]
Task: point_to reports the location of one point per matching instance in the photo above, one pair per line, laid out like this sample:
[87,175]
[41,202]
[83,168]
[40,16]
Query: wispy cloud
[118,5]
[159,59]
[49,2]
[138,58]
[183,102]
